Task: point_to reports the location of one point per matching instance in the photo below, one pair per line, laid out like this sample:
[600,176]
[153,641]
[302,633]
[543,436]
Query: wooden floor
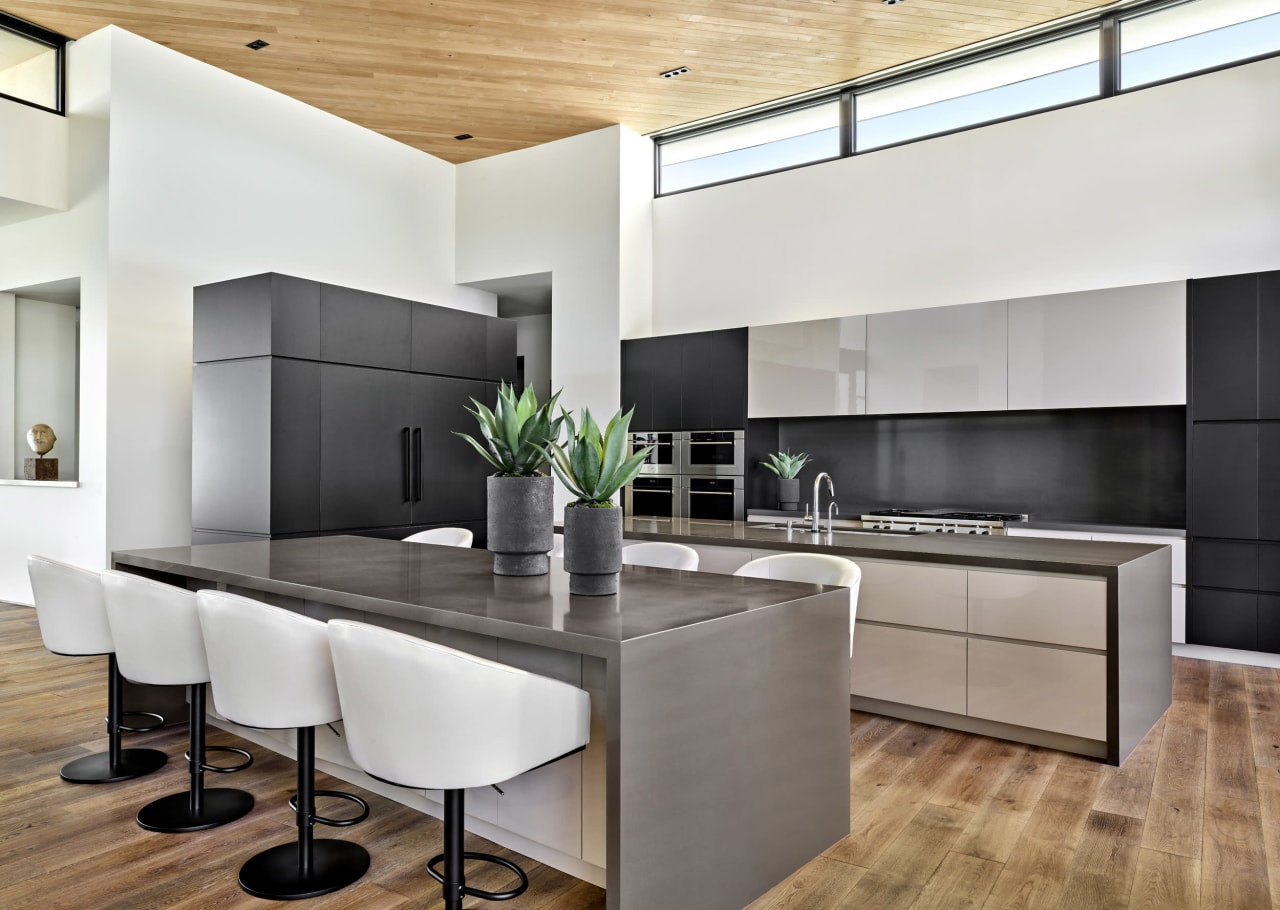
[939,819]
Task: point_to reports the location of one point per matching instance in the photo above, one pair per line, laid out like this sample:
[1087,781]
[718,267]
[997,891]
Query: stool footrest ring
[335,822]
[476,892]
[223,769]
[159,721]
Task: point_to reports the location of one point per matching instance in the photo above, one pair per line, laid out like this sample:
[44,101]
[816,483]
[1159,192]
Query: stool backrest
[661,555]
[817,568]
[444,537]
[269,667]
[69,607]
[156,630]
[422,715]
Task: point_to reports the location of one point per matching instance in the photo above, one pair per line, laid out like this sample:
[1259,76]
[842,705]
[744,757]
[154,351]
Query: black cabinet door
[714,382]
[365,444]
[1224,480]
[449,482]
[1224,348]
[642,364]
[1224,564]
[1269,480]
[256,316]
[365,329]
[668,383]
[295,446]
[1269,623]
[449,342]
[1269,345]
[500,350]
[1222,619]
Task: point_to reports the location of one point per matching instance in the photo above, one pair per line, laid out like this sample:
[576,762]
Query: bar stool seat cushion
[463,721]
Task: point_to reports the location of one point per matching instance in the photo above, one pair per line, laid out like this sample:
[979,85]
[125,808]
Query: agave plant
[516,432]
[592,465]
[786,465]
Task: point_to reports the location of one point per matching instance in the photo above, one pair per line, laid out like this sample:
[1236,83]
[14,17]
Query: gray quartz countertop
[1034,554]
[456,588]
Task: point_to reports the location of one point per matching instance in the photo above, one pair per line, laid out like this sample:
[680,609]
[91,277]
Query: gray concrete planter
[592,549]
[789,493]
[521,522]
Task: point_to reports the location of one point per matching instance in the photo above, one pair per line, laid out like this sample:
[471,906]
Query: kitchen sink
[804,528]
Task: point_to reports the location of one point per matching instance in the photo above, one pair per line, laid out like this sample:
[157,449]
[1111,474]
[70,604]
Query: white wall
[44,386]
[8,369]
[33,162]
[556,208]
[533,343]
[211,177]
[1168,183]
[68,523]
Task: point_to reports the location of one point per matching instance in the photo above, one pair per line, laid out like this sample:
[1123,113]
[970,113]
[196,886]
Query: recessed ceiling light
[462,136]
[678,71]
[890,2]
[257,45]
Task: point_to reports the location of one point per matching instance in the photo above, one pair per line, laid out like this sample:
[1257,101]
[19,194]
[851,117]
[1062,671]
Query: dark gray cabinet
[1223,315]
[1233,407]
[337,435]
[694,381]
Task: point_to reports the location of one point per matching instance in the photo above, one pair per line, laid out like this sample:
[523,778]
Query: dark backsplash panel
[1108,465]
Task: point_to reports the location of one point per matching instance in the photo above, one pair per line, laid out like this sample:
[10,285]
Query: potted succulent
[520,508]
[787,466]
[593,466]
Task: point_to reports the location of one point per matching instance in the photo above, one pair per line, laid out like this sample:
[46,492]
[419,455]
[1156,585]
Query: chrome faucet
[830,490]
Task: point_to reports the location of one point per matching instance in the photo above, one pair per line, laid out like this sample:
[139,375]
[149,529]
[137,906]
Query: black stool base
[275,874]
[173,815]
[476,892]
[97,769]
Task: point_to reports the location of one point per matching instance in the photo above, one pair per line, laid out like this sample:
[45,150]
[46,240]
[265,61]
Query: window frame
[57,43]
[1107,22]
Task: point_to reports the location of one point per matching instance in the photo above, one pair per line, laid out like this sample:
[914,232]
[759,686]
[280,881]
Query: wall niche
[40,380]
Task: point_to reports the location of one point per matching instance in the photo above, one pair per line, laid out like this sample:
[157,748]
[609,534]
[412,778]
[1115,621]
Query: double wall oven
[691,474]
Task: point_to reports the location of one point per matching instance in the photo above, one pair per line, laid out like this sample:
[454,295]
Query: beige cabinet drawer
[909,666]
[1048,608]
[1044,688]
[912,595]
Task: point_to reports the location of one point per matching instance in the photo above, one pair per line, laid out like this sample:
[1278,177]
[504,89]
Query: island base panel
[731,762]
[1091,748]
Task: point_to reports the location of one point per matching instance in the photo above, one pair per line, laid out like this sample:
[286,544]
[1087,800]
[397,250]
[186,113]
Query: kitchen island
[718,761]
[1060,643]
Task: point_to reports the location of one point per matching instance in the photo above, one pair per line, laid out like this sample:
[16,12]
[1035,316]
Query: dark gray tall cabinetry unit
[694,381]
[1233,470]
[320,409]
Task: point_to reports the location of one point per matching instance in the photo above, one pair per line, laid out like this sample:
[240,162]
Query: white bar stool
[159,643]
[661,555]
[73,622]
[816,568]
[271,669]
[443,537]
[421,715]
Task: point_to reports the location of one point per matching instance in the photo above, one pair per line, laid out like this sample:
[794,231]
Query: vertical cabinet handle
[404,446]
[417,464]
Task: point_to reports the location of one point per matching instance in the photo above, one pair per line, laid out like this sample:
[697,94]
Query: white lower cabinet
[912,595]
[1043,688]
[545,804]
[1048,608]
[910,667]
[721,560]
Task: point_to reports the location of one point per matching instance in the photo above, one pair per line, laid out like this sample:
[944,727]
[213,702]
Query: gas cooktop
[947,514]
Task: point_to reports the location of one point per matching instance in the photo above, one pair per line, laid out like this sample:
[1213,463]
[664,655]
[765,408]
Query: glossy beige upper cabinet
[807,369]
[950,358]
[1109,348]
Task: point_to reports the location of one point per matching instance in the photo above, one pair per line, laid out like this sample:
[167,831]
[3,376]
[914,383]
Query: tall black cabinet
[694,381]
[1233,470]
[320,409]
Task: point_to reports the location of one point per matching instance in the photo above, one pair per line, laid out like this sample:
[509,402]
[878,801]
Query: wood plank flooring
[939,819]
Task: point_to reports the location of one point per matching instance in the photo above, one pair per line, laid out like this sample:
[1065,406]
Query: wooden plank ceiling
[516,73]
